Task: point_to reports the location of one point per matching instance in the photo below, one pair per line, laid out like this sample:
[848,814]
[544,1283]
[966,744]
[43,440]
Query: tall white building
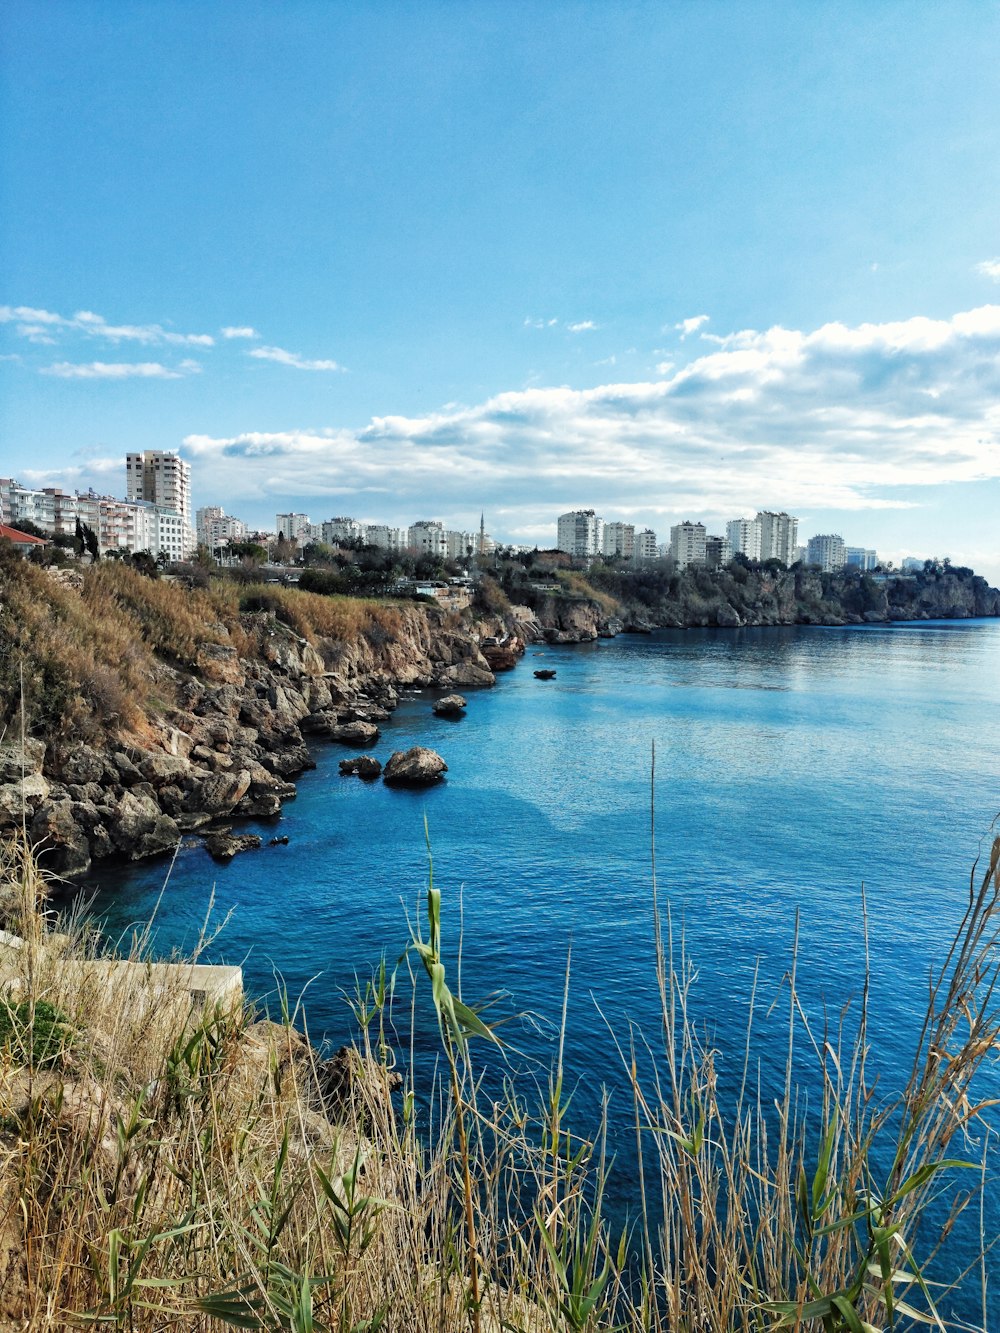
[744,537]
[579,533]
[162,479]
[645,545]
[779,536]
[828,551]
[291,526]
[687,544]
[618,539]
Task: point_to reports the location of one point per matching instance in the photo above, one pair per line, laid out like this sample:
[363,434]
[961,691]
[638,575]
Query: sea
[811,791]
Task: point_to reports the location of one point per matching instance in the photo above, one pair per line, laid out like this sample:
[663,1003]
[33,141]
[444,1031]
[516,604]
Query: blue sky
[673,260]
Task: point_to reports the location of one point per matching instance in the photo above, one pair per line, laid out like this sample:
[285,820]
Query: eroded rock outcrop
[416,767]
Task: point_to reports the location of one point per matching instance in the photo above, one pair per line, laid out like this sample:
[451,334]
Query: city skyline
[690,261]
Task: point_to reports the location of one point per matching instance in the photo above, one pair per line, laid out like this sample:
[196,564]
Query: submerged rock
[417,767]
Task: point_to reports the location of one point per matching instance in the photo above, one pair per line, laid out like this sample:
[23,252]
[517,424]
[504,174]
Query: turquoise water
[792,767]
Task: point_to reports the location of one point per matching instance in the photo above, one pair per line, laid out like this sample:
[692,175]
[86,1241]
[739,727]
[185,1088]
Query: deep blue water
[792,766]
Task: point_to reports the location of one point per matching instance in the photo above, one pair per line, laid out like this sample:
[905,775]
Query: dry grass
[179,1169]
[577,586]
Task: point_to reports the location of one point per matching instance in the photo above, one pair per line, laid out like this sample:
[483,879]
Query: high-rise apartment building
[779,535]
[291,526]
[163,479]
[687,544]
[828,551]
[744,537]
[645,545]
[579,533]
[618,539]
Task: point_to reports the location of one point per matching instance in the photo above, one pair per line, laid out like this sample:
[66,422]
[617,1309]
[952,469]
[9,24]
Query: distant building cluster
[426,536]
[155,516]
[769,536]
[584,533]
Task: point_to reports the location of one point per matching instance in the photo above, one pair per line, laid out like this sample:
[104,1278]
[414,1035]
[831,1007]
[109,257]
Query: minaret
[482,533]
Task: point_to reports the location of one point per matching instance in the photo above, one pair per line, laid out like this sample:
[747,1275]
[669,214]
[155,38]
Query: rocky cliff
[216,730]
[655,598]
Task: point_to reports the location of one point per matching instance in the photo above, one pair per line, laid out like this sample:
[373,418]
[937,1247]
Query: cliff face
[223,733]
[737,596]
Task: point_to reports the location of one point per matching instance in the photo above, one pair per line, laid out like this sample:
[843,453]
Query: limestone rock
[452,705]
[21,799]
[60,843]
[17,761]
[416,767]
[139,828]
[362,765]
[355,733]
[224,845]
[219,663]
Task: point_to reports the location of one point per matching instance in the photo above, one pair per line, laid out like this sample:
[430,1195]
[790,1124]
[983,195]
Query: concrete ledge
[207,986]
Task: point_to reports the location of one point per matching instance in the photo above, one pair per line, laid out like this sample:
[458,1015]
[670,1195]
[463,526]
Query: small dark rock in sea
[279,842]
[362,766]
[223,846]
[417,767]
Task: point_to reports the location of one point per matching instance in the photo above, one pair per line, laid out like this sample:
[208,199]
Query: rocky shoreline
[231,747]
[229,728]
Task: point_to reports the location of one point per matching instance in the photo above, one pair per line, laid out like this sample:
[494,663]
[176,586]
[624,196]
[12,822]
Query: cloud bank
[847,418]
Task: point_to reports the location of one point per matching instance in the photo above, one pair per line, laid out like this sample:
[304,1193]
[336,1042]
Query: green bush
[35,1034]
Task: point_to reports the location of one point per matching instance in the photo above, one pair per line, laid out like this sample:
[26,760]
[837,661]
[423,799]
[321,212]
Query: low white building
[217,528]
[428,537]
[861,557]
[337,530]
[386,538]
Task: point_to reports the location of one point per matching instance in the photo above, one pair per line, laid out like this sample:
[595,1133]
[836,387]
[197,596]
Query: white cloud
[239,331]
[284,358]
[688,326]
[582,326]
[989,268]
[531,323]
[119,370]
[842,417]
[43,325]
